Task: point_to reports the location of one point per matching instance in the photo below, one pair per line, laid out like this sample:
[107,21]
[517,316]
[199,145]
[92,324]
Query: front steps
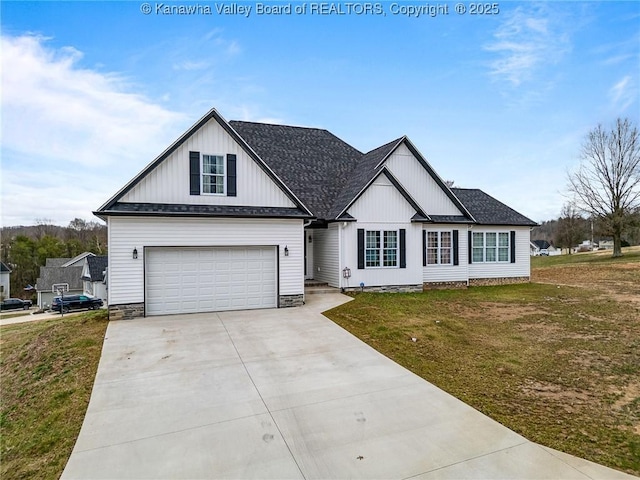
[313,287]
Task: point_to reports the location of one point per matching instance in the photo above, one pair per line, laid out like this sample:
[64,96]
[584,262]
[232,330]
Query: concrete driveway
[284,394]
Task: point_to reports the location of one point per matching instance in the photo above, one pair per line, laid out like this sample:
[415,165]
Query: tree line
[25,249]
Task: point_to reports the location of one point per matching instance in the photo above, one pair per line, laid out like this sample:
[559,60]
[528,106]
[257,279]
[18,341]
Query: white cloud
[529,39]
[623,94]
[71,136]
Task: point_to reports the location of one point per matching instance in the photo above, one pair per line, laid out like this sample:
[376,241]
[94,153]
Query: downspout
[469,254]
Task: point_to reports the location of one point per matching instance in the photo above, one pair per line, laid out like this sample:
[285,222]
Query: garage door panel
[185,280]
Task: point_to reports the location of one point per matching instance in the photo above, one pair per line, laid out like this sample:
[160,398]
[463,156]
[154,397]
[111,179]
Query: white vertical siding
[169,181]
[419,184]
[522,266]
[449,273]
[126,275]
[326,253]
[381,202]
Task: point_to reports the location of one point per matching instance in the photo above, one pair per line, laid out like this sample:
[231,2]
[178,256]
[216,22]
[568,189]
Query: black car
[15,304]
[75,302]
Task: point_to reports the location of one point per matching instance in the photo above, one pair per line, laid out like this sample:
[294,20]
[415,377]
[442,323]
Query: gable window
[491,247]
[439,248]
[381,248]
[213,174]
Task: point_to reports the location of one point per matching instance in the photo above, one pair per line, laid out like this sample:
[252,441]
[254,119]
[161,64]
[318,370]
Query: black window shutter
[470,249]
[424,248]
[513,246]
[456,261]
[403,248]
[231,175]
[194,173]
[360,248]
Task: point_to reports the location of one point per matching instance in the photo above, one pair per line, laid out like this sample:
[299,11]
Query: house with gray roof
[94,276]
[82,274]
[237,215]
[5,281]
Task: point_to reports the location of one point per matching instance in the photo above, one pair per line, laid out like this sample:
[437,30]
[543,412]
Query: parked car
[544,252]
[75,302]
[15,304]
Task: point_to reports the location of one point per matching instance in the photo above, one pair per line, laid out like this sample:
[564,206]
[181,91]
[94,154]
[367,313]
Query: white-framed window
[490,247]
[439,248]
[381,248]
[213,174]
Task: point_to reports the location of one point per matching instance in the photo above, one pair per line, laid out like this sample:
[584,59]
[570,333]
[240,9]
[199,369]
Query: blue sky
[94,91]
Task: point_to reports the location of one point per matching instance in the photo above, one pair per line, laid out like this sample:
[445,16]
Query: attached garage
[209,279]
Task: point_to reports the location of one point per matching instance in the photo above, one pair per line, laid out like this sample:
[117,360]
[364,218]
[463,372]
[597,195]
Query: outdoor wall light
[286,251]
[346,272]
[135,253]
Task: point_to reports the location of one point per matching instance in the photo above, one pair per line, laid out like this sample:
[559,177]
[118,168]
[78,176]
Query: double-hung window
[490,247]
[213,174]
[439,248]
[381,248]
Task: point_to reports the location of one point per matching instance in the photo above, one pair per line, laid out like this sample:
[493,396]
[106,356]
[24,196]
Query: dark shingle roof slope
[97,266]
[171,209]
[51,275]
[4,268]
[489,211]
[361,174]
[312,162]
[541,244]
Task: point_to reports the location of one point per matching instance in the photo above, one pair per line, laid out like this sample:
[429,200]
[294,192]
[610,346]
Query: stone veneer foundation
[126,311]
[483,282]
[285,301]
[388,289]
[444,285]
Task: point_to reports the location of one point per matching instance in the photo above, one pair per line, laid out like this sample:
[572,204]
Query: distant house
[5,281]
[94,276]
[537,245]
[59,271]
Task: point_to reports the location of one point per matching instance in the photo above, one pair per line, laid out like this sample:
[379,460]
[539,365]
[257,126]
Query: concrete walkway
[285,394]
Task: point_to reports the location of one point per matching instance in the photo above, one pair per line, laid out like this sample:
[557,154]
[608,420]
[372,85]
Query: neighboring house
[94,276]
[60,271]
[235,215]
[605,245]
[537,245]
[5,281]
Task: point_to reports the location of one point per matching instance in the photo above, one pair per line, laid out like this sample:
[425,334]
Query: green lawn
[558,364]
[47,370]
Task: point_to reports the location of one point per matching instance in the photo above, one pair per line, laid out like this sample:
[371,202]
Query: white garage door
[191,280]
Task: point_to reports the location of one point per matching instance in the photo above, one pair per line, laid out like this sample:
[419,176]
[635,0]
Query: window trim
[439,248]
[495,248]
[382,248]
[223,175]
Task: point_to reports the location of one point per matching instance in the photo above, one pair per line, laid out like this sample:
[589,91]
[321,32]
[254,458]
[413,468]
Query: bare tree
[570,228]
[607,183]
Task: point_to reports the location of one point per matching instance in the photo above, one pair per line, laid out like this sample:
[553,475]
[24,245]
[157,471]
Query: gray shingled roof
[313,163]
[4,268]
[170,209]
[97,266]
[489,211]
[51,275]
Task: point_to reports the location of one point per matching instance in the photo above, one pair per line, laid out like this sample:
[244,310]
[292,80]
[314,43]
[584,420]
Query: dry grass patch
[558,364]
[47,370]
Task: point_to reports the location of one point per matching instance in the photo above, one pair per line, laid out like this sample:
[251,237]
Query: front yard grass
[558,364]
[47,370]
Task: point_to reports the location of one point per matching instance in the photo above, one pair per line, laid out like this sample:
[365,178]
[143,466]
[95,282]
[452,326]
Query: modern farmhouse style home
[236,215]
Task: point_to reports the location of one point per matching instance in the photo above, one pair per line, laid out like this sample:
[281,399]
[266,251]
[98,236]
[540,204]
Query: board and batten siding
[169,181]
[522,265]
[381,202]
[126,275]
[326,252]
[419,184]
[449,273]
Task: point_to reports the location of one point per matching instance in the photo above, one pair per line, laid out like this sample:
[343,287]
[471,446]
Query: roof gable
[111,206]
